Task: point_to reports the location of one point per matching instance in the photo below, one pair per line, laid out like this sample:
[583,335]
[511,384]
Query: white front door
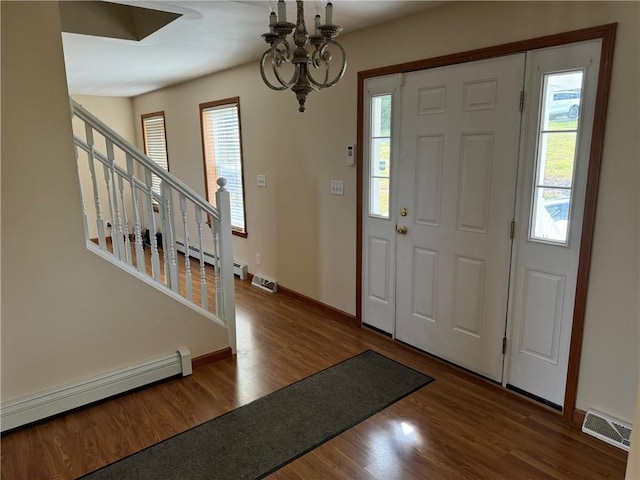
[458,147]
[560,98]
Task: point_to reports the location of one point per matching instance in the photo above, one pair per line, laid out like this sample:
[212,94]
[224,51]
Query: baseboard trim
[212,357]
[31,408]
[335,314]
[578,417]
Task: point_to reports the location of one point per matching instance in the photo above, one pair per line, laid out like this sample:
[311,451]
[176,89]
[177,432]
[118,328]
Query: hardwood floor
[459,426]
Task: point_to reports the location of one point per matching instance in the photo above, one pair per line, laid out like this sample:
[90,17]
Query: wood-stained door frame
[607,34]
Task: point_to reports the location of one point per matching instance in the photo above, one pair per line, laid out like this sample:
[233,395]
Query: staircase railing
[151,230]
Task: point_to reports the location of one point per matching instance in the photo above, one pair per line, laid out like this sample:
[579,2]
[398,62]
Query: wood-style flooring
[459,426]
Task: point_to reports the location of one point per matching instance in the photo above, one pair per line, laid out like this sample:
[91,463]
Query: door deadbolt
[403,212]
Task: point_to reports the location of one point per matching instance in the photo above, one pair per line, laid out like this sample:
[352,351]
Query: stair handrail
[124,252]
[124,144]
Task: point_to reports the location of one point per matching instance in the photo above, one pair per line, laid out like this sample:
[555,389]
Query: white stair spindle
[117,232]
[137,229]
[168,241]
[102,242]
[82,204]
[155,257]
[225,254]
[127,241]
[161,213]
[187,261]
[218,288]
[203,275]
[107,179]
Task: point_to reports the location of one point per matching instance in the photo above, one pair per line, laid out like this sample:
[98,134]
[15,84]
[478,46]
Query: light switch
[337,187]
[262,180]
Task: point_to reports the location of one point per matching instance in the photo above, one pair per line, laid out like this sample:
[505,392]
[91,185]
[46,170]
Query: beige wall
[307,237]
[66,313]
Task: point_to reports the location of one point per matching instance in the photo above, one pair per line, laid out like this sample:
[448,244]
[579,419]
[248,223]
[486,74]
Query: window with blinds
[222,147]
[155,144]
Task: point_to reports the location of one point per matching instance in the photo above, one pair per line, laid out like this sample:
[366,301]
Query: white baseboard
[41,405]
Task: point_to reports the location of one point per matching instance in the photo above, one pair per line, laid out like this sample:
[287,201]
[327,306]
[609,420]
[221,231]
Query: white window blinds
[155,144]
[223,155]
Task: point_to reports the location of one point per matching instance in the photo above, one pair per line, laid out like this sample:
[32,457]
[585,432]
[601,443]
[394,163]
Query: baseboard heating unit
[25,410]
[239,269]
[607,429]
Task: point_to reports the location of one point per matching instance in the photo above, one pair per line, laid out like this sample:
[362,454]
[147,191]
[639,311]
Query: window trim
[201,108]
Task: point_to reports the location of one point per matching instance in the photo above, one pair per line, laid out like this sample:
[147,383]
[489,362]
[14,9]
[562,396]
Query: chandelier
[300,59]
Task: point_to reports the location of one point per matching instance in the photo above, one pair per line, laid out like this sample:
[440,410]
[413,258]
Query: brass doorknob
[402,230]
[403,212]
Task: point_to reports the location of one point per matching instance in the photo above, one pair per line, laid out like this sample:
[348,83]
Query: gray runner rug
[256,439]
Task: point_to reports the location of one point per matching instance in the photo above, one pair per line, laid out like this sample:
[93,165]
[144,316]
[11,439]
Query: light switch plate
[262,180]
[337,187]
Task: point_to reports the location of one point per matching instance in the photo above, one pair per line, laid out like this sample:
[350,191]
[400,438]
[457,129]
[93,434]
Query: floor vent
[265,283]
[607,429]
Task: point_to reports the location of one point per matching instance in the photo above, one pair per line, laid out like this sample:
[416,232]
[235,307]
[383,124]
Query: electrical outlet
[258,259]
[337,187]
[262,180]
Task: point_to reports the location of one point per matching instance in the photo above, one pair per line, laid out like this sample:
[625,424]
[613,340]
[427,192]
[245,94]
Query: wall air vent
[264,283]
[607,429]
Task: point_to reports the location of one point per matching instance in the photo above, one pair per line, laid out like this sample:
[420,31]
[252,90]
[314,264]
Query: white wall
[66,313]
[307,237]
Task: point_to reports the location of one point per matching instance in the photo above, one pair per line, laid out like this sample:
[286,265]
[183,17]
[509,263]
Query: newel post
[223,204]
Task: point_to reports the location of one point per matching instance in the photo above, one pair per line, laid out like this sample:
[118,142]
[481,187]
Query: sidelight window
[556,156]
[380,156]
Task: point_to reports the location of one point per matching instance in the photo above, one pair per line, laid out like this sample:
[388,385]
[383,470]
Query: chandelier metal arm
[283,86]
[323,58]
[275,65]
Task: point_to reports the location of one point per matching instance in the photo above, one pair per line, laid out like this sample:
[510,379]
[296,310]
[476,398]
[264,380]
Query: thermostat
[351,154]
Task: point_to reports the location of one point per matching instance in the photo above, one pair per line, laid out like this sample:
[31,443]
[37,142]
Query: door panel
[553,173]
[459,130]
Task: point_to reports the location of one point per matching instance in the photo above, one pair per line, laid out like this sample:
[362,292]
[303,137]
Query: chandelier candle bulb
[329,14]
[317,18]
[272,19]
[282,11]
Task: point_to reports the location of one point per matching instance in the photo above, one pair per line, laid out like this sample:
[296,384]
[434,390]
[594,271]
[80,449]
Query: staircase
[125,220]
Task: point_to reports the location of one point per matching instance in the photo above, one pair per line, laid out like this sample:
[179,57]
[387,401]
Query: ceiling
[207,37]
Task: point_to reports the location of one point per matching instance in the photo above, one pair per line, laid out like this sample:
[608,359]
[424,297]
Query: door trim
[607,34]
